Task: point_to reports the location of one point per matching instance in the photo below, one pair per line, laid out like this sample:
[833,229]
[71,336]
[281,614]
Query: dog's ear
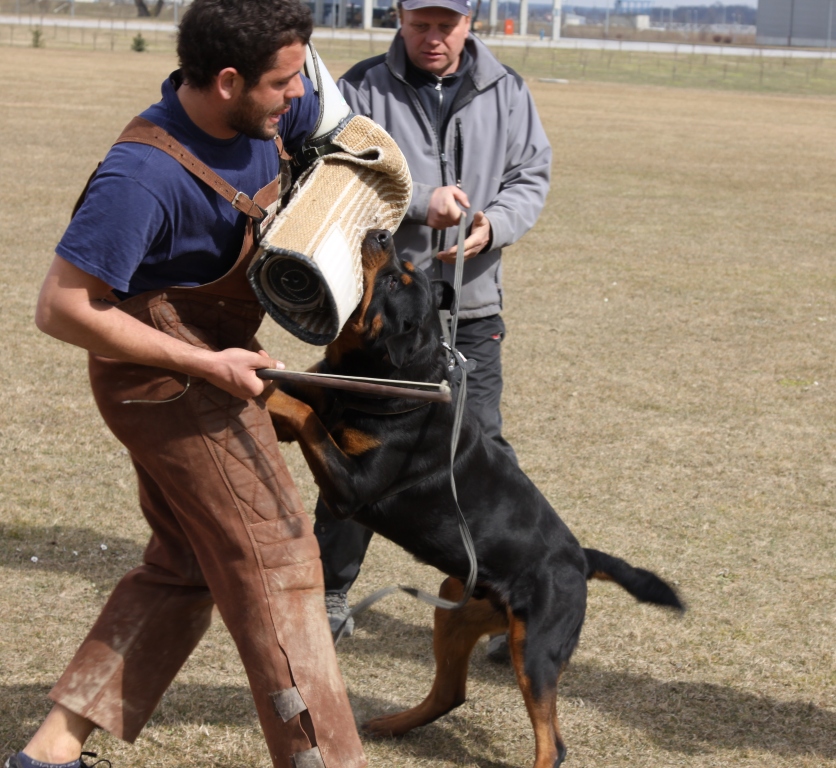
[401,347]
[443,294]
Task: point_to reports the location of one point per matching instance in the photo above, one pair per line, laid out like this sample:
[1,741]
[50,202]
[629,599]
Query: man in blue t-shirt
[150,278]
[159,237]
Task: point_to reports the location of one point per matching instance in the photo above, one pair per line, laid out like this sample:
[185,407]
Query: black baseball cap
[460,6]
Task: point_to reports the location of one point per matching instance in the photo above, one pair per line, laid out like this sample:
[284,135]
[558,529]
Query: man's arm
[526,174]
[71,309]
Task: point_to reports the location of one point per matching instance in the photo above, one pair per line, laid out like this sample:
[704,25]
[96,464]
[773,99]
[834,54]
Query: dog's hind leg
[543,633]
[540,700]
[455,633]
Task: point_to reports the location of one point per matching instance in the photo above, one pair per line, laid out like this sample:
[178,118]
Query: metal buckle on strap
[242,202]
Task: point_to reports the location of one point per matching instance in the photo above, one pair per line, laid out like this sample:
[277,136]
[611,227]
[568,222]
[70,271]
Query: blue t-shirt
[148,223]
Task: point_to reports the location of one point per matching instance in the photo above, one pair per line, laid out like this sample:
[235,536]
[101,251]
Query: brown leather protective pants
[228,528]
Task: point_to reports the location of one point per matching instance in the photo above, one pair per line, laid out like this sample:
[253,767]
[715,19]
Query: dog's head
[396,325]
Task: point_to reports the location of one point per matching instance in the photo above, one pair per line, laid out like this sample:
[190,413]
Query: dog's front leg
[334,472]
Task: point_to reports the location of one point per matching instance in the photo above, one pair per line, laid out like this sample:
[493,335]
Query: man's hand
[476,242]
[444,208]
[233,370]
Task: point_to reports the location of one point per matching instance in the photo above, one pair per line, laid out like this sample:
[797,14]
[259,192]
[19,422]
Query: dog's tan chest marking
[354,442]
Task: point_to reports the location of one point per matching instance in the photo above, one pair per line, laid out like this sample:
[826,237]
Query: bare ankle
[60,738]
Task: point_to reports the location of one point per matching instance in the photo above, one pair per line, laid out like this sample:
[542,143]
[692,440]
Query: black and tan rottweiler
[385,463]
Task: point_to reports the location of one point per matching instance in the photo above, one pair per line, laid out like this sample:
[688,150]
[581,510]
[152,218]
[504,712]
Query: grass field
[669,369]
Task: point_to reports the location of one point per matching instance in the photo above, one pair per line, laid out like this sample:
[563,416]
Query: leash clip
[457,358]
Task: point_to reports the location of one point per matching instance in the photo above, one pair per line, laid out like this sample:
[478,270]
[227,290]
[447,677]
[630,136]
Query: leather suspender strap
[142,131]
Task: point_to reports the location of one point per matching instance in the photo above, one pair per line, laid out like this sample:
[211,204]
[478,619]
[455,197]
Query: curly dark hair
[244,34]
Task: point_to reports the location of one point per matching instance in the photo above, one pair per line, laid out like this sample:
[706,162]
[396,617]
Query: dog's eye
[393,283]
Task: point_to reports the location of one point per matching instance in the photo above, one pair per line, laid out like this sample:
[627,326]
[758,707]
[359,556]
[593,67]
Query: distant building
[639,21]
[806,23]
[573,20]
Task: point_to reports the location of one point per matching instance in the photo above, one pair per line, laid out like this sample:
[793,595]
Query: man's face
[256,112]
[434,38]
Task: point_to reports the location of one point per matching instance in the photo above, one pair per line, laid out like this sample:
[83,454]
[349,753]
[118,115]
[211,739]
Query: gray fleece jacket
[505,160]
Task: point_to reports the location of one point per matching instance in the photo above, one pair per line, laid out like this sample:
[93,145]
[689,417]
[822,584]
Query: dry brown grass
[672,335]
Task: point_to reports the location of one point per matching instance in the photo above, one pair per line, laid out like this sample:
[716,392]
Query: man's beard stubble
[251,119]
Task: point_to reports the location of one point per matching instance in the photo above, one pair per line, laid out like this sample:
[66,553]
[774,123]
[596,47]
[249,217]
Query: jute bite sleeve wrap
[307,273]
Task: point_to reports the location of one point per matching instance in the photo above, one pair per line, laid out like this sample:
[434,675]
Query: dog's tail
[644,585]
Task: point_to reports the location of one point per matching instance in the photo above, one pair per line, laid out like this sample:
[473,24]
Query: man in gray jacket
[475,147]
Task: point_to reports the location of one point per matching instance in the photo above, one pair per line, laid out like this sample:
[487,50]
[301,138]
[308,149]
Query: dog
[385,463]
